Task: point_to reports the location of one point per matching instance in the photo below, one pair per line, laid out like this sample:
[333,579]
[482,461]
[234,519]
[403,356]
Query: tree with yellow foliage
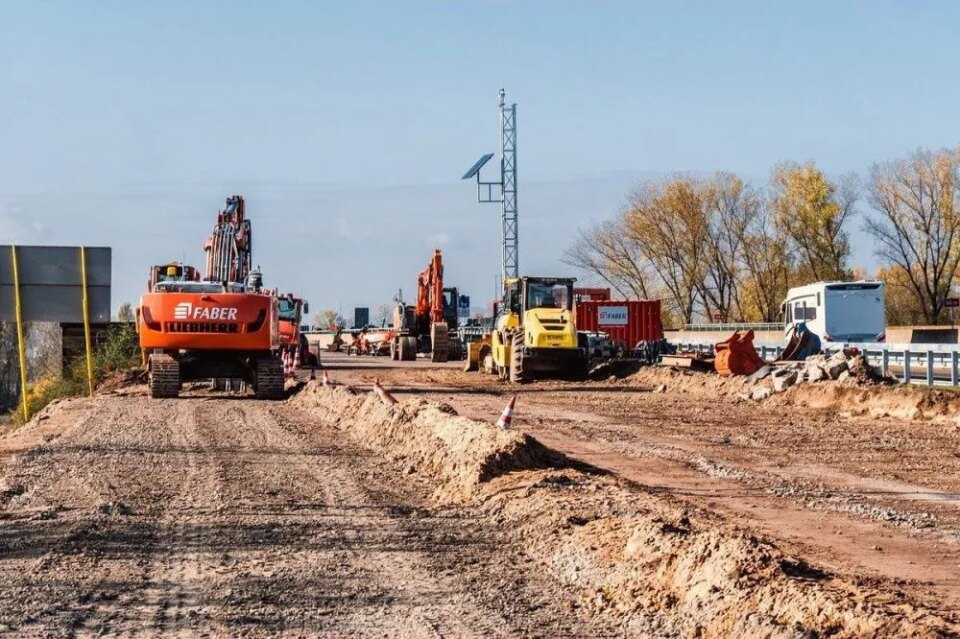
[812,214]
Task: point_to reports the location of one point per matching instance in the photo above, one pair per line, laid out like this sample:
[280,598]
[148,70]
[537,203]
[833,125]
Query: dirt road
[206,517]
[877,499]
[335,515]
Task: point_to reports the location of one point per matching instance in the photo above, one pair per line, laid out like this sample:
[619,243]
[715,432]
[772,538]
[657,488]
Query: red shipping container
[627,322]
[591,294]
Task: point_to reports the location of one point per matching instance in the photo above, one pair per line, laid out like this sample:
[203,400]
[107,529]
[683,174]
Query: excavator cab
[172,272]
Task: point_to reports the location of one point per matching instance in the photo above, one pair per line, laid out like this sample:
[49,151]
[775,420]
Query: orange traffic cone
[386,397]
[286,364]
[507,417]
[296,359]
[326,380]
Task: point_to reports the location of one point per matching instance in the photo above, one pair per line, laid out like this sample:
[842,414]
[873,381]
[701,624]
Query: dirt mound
[904,402]
[651,559]
[117,380]
[430,438]
[664,567]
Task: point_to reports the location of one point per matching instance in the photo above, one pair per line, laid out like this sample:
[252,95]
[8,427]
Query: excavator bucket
[802,344]
[737,356]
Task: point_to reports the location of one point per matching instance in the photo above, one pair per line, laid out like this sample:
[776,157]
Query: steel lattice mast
[508,180]
[507,198]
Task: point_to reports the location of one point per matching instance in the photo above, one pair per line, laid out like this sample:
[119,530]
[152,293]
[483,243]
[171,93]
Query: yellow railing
[21,343]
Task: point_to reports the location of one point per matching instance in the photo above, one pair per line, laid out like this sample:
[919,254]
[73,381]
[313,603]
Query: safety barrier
[929,364]
[731,327]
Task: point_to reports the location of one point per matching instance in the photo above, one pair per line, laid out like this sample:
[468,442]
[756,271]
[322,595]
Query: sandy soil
[873,498]
[123,516]
[660,505]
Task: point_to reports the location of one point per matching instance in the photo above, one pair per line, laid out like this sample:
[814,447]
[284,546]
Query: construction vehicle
[534,333]
[430,326]
[292,340]
[223,326]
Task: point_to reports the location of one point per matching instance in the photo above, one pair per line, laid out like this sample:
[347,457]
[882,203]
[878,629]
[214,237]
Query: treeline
[717,248]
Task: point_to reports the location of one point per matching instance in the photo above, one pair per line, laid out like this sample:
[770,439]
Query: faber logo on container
[612,316]
[182,310]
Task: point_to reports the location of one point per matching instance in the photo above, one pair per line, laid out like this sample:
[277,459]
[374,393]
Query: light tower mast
[507,186]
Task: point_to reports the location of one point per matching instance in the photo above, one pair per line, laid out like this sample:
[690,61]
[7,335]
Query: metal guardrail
[731,327]
[470,334]
[929,364]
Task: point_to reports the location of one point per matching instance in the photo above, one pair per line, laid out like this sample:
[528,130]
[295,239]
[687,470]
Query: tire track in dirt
[451,553]
[84,479]
[222,517]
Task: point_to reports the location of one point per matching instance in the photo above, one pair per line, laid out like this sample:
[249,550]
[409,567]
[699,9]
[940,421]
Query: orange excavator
[223,326]
[430,325]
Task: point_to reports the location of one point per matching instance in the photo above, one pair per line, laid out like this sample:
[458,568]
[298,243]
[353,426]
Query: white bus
[838,311]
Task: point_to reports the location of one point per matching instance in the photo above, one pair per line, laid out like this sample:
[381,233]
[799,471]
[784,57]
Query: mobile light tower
[503,192]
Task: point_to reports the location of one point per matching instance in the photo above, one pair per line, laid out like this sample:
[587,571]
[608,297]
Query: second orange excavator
[430,326]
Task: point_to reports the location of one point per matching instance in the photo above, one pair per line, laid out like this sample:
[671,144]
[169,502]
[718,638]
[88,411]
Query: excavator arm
[230,247]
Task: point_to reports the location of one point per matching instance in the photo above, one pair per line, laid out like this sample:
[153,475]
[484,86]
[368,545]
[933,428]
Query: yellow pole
[20,343]
[86,317]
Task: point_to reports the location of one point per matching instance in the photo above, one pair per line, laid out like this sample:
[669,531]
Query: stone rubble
[848,367]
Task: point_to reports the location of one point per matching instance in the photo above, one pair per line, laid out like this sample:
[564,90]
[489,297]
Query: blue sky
[347,125]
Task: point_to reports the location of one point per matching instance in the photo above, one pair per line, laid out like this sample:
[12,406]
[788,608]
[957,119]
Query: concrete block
[813,373]
[783,380]
[761,392]
[835,368]
[762,372]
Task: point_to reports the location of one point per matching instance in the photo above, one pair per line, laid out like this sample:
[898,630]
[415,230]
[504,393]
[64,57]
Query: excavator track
[439,342]
[269,378]
[164,377]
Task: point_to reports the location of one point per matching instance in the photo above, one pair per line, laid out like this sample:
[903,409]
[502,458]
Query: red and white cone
[386,397]
[287,364]
[296,359]
[326,380]
[506,418]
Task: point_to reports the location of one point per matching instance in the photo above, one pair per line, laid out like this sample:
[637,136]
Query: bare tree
[917,225]
[125,312]
[328,319]
[382,314]
[666,221]
[730,208]
[610,252]
[767,271]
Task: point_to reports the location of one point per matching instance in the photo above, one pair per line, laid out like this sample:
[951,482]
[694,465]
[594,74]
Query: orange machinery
[426,327]
[224,326]
[292,311]
[737,355]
